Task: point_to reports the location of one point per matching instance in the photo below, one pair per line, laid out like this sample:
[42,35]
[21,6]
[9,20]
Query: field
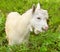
[44,42]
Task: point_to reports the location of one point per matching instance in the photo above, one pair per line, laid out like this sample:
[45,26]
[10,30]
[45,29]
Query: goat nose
[46,27]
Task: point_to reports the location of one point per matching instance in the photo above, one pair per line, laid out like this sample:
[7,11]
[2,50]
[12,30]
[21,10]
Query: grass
[43,42]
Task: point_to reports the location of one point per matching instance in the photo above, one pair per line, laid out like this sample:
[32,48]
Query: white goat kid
[18,26]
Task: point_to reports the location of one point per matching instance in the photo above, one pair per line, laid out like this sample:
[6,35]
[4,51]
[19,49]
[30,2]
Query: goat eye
[38,18]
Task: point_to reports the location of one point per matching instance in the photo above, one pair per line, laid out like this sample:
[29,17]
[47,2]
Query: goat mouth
[44,30]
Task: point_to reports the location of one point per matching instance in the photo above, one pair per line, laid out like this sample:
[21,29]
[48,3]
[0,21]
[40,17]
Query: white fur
[18,26]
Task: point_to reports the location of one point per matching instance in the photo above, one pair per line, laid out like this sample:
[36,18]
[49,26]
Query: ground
[48,41]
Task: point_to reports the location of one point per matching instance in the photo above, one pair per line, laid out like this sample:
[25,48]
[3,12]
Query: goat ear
[38,6]
[33,8]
